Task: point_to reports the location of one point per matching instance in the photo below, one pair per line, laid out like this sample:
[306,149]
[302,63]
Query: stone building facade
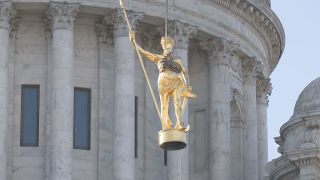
[299,140]
[55,53]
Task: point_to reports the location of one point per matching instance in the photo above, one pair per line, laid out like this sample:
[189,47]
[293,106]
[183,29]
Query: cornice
[261,24]
[290,125]
[304,156]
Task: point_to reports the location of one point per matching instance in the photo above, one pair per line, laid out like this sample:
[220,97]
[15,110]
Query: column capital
[105,34]
[251,69]
[180,32]
[7,13]
[120,23]
[264,88]
[219,50]
[62,15]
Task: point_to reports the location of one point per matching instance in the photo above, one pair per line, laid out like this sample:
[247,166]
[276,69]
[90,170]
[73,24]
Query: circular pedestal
[172,139]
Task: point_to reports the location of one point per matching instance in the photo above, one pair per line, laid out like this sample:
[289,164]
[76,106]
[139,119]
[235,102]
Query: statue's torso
[169,74]
[168,63]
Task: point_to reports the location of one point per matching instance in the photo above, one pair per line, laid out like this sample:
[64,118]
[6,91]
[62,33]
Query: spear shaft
[143,68]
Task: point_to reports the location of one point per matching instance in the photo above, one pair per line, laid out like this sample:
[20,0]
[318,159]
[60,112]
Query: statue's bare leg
[164,110]
[177,106]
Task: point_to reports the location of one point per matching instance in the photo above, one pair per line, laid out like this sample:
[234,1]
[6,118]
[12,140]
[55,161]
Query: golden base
[172,139]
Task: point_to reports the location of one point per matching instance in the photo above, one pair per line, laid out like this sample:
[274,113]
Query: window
[82,109]
[29,129]
[136,127]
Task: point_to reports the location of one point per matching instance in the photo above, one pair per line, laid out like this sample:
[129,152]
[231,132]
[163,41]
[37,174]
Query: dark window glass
[82,119]
[29,116]
[136,128]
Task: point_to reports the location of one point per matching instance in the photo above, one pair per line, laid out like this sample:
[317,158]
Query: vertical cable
[181,166]
[166,25]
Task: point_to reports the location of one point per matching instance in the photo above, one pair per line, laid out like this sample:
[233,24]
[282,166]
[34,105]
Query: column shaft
[262,139]
[220,155]
[263,90]
[124,109]
[4,73]
[251,69]
[8,13]
[62,105]
[62,16]
[250,167]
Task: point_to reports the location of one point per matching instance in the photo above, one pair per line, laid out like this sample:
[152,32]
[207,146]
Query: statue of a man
[169,80]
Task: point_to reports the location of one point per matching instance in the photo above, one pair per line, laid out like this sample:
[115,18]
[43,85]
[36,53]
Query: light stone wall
[30,68]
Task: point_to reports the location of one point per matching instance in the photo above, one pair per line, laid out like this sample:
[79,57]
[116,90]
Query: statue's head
[170,44]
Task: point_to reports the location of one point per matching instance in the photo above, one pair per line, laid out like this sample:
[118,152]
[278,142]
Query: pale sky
[299,64]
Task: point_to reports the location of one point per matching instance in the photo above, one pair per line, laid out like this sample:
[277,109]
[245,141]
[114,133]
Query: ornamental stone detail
[235,64]
[236,96]
[151,43]
[7,14]
[105,34]
[120,23]
[63,15]
[264,88]
[180,32]
[219,50]
[251,69]
[310,138]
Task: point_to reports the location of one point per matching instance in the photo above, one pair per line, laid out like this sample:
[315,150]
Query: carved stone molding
[313,122]
[235,64]
[235,95]
[264,88]
[105,34]
[251,69]
[7,14]
[180,32]
[120,23]
[63,15]
[151,43]
[260,21]
[14,26]
[310,139]
[219,50]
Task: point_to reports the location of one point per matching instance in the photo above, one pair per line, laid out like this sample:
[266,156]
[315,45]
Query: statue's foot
[180,127]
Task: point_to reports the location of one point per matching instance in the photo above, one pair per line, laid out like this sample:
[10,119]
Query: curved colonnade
[229,47]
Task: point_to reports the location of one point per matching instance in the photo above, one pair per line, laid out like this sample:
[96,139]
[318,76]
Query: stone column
[263,90]
[219,51]
[62,16]
[7,13]
[124,96]
[251,68]
[180,33]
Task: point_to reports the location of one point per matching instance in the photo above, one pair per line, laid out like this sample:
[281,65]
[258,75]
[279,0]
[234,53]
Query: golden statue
[169,80]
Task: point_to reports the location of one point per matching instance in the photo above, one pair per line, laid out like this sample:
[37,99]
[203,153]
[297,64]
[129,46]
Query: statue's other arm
[185,76]
[148,55]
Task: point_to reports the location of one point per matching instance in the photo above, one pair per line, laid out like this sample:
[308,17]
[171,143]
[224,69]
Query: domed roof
[309,99]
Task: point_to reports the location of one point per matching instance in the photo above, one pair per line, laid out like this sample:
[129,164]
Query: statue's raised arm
[148,55]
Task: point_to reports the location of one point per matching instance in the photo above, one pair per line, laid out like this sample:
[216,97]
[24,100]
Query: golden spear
[144,70]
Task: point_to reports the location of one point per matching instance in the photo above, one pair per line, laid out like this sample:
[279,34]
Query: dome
[309,99]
